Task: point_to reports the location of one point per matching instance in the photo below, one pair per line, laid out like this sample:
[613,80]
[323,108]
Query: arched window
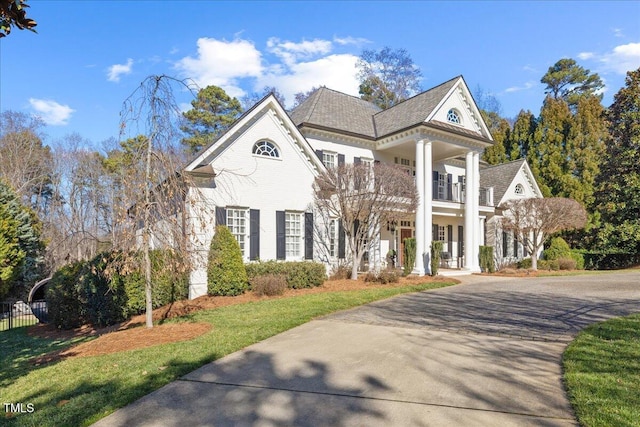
[453,117]
[519,189]
[265,148]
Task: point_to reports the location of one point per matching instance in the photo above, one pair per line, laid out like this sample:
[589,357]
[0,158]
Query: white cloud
[222,63]
[623,58]
[530,69]
[617,32]
[527,85]
[116,70]
[239,67]
[51,112]
[358,41]
[585,55]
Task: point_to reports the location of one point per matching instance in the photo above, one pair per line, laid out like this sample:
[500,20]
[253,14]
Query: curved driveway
[483,353]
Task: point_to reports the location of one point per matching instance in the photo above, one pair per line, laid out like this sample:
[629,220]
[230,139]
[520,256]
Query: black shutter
[449,235]
[434,232]
[319,154]
[505,244]
[435,194]
[515,245]
[449,186]
[308,235]
[357,161]
[254,234]
[460,241]
[525,247]
[280,236]
[461,182]
[221,216]
[340,159]
[341,240]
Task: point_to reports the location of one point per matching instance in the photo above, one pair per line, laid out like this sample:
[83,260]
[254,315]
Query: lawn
[81,390]
[602,373]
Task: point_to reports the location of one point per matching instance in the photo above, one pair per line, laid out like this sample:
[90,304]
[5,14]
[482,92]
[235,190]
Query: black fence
[19,314]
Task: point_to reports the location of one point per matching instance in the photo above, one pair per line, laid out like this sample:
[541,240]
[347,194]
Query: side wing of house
[257,180]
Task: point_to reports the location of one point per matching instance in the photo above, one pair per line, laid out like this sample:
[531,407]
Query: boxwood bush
[226,274]
[298,274]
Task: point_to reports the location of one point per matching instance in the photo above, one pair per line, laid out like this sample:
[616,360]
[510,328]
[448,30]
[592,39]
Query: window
[441,233]
[442,186]
[237,224]
[292,233]
[329,159]
[453,117]
[406,164]
[333,238]
[266,149]
[519,189]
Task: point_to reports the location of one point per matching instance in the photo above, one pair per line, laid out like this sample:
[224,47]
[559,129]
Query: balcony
[455,194]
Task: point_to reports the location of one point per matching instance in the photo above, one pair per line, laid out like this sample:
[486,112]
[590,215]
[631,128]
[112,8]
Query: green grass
[20,322]
[602,373]
[80,391]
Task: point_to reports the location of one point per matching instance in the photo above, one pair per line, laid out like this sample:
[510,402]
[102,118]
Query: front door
[405,233]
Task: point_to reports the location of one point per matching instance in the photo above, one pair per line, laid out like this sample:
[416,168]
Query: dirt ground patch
[132,334]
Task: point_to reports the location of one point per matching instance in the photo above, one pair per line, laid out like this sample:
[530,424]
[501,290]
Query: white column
[476,212]
[419,264]
[469,220]
[428,205]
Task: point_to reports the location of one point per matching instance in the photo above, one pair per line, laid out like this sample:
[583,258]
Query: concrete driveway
[483,353]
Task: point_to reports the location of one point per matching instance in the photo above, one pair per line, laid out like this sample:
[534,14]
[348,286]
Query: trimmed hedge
[558,248]
[609,261]
[298,274]
[83,292]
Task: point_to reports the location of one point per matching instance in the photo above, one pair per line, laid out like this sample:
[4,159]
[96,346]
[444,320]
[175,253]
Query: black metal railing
[20,314]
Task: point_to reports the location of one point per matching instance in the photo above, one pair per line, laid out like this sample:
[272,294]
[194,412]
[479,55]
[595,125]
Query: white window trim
[330,154]
[289,256]
[333,238]
[242,239]
[262,156]
[457,115]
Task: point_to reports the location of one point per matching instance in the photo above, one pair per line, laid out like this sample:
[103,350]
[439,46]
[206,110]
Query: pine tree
[21,248]
[520,139]
[618,195]
[500,130]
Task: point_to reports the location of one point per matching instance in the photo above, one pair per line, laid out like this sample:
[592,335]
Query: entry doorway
[405,233]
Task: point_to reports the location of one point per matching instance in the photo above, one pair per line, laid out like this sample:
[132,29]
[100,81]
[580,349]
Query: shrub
[436,254]
[63,295]
[341,272]
[269,284]
[486,259]
[566,264]
[525,263]
[551,265]
[383,277]
[409,255]
[578,258]
[226,274]
[105,296]
[299,274]
[610,261]
[557,249]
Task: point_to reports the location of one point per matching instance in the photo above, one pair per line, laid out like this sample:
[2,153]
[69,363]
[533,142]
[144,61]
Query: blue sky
[89,56]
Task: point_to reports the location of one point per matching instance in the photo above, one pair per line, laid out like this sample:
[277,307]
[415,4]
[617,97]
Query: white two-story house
[257,177]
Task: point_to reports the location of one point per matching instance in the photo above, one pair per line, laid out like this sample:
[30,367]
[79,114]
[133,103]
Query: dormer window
[266,149]
[454,117]
[519,189]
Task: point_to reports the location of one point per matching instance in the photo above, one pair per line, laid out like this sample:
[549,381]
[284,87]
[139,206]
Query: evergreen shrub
[558,248]
[226,273]
[436,254]
[409,255]
[487,263]
[67,309]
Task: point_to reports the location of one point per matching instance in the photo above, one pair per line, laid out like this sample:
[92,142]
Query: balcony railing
[456,195]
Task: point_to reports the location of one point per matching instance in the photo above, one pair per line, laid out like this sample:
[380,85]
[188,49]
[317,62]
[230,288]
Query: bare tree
[364,196]
[534,220]
[153,182]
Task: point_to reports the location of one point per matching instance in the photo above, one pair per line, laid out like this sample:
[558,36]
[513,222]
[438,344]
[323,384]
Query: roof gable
[268,105]
[504,177]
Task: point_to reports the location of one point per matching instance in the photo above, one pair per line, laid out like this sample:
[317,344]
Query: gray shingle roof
[412,111]
[500,177]
[335,110]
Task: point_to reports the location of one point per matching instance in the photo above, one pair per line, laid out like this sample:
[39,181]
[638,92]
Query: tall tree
[364,197]
[500,130]
[25,162]
[618,195]
[21,246]
[13,14]
[250,100]
[569,81]
[387,76]
[520,140]
[212,113]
